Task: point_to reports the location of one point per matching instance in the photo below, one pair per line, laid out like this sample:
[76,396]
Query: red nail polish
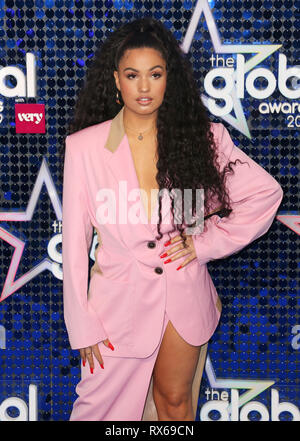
[179,267]
[167,243]
[167,261]
[102,366]
[92,370]
[83,362]
[164,255]
[111,346]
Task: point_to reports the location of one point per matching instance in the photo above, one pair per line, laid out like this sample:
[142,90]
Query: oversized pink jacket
[127,290]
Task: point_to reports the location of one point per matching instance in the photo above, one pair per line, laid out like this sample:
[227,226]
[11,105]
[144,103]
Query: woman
[143,320]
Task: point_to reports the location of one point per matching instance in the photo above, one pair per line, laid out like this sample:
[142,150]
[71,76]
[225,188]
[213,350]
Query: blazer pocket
[113,301]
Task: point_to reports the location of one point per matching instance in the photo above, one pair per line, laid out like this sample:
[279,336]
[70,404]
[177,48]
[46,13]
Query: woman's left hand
[174,252]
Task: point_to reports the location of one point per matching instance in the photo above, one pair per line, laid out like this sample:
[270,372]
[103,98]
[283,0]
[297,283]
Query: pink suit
[131,292]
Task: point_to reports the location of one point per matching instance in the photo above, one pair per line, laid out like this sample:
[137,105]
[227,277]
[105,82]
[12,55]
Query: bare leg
[173,377]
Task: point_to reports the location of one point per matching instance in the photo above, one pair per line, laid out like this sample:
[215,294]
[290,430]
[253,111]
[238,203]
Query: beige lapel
[116,132]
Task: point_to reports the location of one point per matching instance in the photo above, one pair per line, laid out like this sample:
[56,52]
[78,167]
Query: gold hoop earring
[118,98]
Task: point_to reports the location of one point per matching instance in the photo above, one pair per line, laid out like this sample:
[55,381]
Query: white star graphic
[255,387]
[292,221]
[262,52]
[11,285]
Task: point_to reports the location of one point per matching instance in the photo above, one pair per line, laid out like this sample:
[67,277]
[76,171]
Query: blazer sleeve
[255,197]
[83,325]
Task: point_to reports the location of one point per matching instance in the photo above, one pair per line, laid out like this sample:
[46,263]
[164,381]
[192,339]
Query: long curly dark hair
[186,151]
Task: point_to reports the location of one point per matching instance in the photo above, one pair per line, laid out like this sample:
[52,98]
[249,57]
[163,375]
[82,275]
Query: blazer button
[151,244]
[158,270]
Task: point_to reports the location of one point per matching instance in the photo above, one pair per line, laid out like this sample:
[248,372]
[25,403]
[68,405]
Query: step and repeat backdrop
[245,56]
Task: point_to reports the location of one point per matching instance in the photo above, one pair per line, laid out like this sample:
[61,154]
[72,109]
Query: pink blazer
[129,287]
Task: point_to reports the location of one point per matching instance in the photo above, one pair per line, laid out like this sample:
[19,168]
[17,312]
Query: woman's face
[142,73]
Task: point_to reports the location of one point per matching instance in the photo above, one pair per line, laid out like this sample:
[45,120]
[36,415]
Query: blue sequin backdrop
[258,335]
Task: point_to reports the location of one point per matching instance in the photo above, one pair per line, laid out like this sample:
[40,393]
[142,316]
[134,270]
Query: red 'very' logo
[30,118]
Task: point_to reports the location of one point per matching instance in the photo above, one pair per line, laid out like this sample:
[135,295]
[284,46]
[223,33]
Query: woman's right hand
[87,354]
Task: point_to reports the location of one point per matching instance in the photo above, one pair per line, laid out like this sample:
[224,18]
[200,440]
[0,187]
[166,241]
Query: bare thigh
[175,366]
